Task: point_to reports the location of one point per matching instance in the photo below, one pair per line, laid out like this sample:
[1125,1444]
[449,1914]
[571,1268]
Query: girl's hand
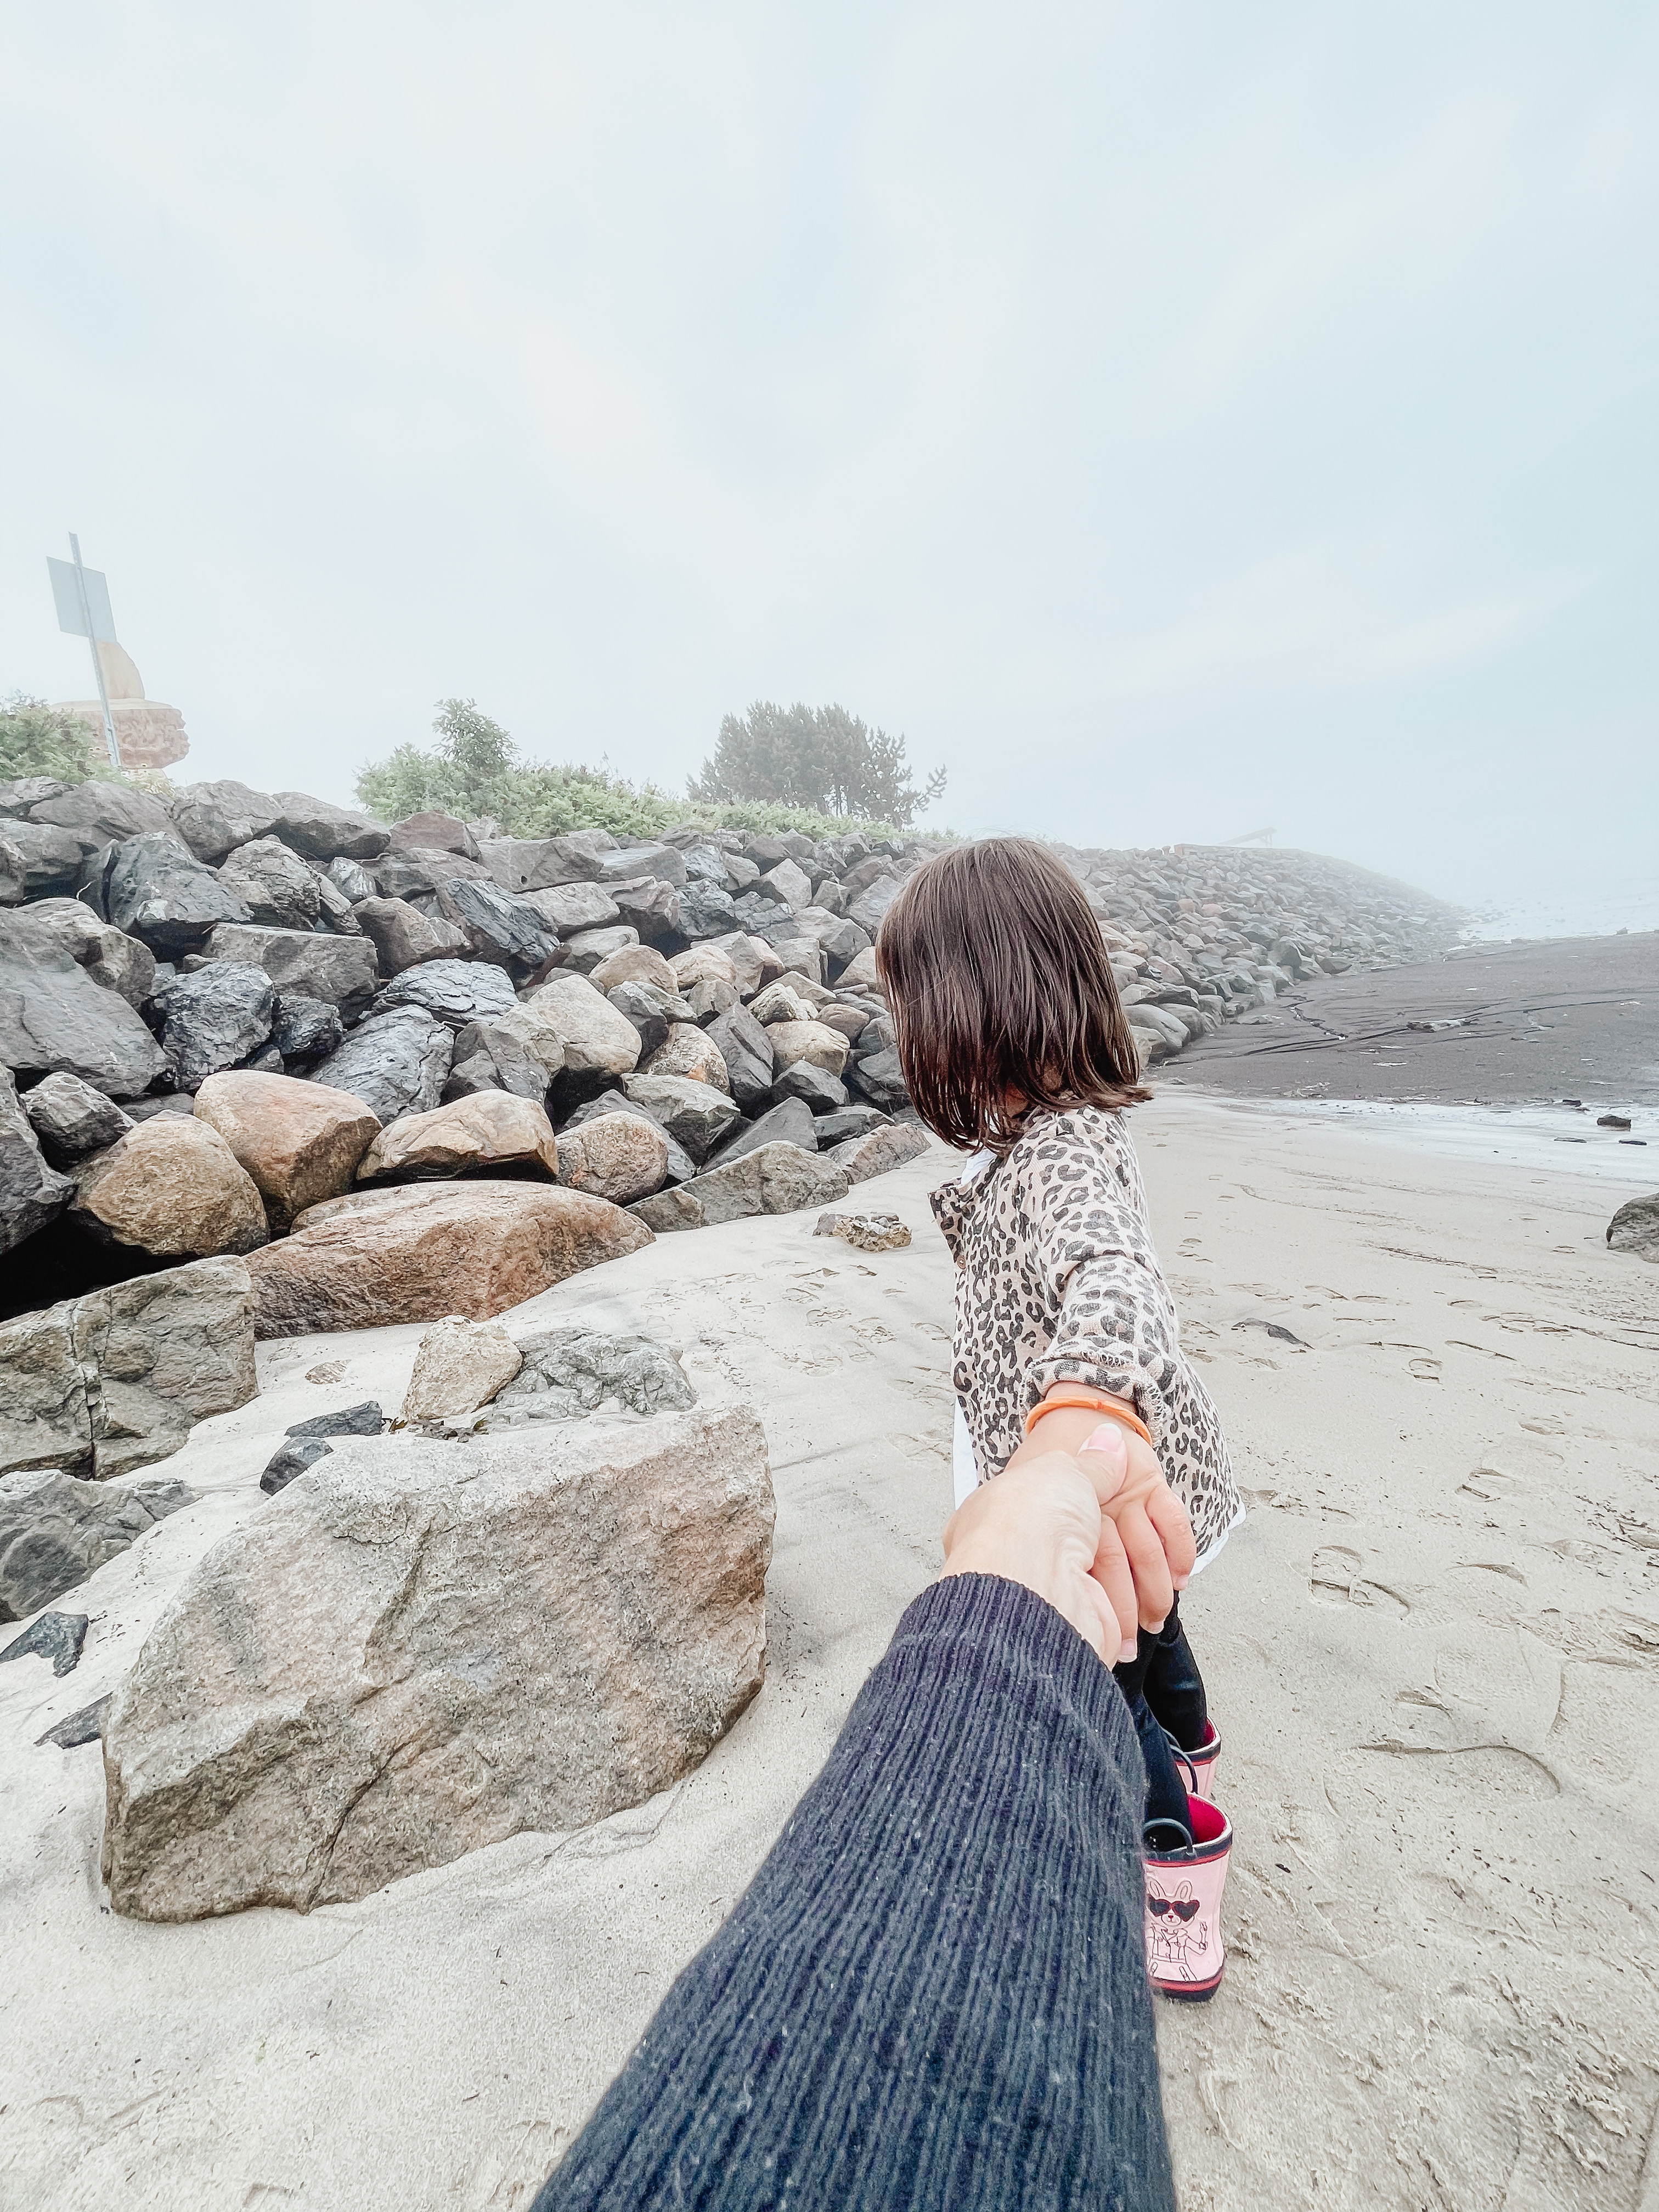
[1151,1521]
[1155,1537]
[1041,1524]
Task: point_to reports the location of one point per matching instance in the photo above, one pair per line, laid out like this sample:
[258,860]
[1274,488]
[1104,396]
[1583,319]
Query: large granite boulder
[321,831]
[491,1133]
[593,1037]
[535,864]
[109,956]
[707,911]
[779,1178]
[159,891]
[633,863]
[300,1142]
[404,937]
[880,1151]
[681,1165]
[55,1531]
[31,1194]
[880,1077]
[812,1041]
[689,1051]
[273,882]
[171,1186]
[216,1017]
[102,1384]
[341,969]
[791,1121]
[214,818]
[872,903]
[419,1251]
[413,875]
[651,908]
[395,1062]
[634,963]
[431,831]
[459,1365]
[1635,1227]
[621,1157]
[70,1118]
[53,1015]
[428,1648]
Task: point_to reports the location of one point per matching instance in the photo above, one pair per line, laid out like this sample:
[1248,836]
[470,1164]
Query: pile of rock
[421,1069]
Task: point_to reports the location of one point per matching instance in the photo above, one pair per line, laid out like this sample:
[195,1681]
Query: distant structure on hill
[140,732]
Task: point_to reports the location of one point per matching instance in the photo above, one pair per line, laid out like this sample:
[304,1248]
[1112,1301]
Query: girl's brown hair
[1002,996]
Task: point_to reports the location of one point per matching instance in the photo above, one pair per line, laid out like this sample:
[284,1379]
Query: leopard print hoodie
[1057,1282]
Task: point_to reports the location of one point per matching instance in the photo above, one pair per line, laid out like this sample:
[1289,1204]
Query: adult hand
[1041,1523]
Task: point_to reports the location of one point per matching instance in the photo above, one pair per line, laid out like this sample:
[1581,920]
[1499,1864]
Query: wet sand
[1563,1018]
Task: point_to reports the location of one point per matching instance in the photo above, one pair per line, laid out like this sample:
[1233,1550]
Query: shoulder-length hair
[1002,996]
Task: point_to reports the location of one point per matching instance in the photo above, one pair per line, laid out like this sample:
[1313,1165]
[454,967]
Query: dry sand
[1432,1651]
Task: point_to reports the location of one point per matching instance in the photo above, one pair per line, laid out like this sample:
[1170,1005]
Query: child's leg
[1166,1794]
[1174,1687]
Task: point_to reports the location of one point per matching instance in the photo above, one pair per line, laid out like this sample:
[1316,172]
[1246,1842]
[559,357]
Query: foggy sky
[1176,420]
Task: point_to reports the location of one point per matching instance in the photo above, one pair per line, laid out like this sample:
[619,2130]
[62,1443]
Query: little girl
[1015,1047]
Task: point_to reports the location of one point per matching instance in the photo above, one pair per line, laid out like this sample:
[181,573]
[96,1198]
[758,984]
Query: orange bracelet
[1075,1397]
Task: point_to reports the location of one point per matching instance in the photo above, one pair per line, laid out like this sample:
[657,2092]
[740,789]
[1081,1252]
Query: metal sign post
[83,611]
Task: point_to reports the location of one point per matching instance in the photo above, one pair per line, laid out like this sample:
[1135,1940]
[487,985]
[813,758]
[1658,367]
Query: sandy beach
[1432,1652]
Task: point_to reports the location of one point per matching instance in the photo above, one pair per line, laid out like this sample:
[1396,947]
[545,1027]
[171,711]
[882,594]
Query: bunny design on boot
[1186,1875]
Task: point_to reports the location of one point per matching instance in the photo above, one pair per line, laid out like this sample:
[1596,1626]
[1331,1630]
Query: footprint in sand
[1334,1579]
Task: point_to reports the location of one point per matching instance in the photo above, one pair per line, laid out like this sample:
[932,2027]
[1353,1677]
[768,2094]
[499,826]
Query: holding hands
[1085,1519]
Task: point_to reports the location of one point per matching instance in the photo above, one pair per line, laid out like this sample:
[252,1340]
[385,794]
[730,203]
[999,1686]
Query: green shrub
[36,739]
[475,769]
[821,758]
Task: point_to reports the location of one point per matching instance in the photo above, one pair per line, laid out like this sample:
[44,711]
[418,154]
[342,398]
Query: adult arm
[934,1994]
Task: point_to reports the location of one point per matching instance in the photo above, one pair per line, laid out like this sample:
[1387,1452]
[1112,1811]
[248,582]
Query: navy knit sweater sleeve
[933,1993]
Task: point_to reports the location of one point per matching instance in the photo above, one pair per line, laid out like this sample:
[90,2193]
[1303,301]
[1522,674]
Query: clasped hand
[1095,1530]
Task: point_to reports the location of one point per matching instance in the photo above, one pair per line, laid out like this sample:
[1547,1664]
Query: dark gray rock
[707,864]
[86,1725]
[70,1118]
[881,1079]
[815,1087]
[651,1009]
[498,925]
[56,1531]
[790,1123]
[307,1442]
[160,892]
[173,1101]
[572,907]
[872,903]
[651,908]
[351,878]
[404,937]
[694,1114]
[707,911]
[214,818]
[323,832]
[751,1062]
[48,860]
[103,812]
[630,863]
[215,1018]
[52,1016]
[305,1029]
[849,1121]
[308,963]
[111,957]
[395,1063]
[538,864]
[55,1636]
[276,885]
[840,938]
[453,991]
[778,1178]
[467,1078]
[31,1193]
[681,1165]
[19,793]
[766,918]
[410,875]
[432,832]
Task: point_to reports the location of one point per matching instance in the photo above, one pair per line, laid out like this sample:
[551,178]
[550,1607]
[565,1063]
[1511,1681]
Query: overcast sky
[1175,420]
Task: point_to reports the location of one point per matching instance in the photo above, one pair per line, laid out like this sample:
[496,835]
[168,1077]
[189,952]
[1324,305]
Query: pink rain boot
[1197,1768]
[1185,1957]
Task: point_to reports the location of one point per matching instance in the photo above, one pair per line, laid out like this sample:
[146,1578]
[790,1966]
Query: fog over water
[1179,421]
